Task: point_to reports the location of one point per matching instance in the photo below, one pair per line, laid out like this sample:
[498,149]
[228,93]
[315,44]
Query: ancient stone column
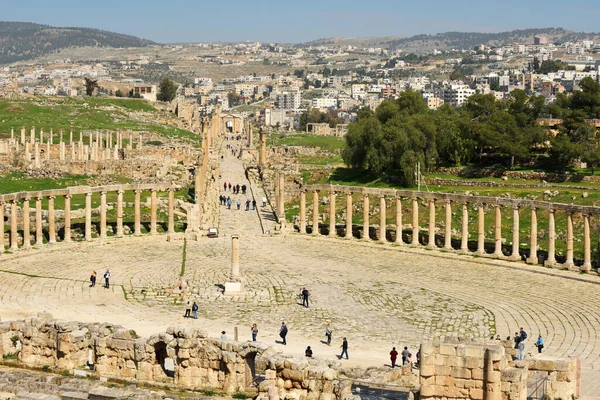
[51,221]
[398,221]
[153,207]
[498,232]
[533,258]
[14,238]
[315,216]
[120,212]
[415,222]
[42,136]
[302,212]
[26,224]
[235,276]
[262,155]
[39,237]
[67,237]
[382,219]
[569,261]
[332,230]
[515,256]
[47,151]
[88,216]
[103,214]
[365,233]
[1,227]
[464,241]
[587,252]
[431,241]
[551,261]
[448,226]
[23,136]
[32,135]
[480,229]
[27,153]
[71,137]
[62,151]
[348,215]
[171,227]
[281,197]
[138,216]
[36,155]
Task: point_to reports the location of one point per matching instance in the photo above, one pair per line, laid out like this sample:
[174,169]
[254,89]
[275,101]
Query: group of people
[519,341]
[106,279]
[235,189]
[228,202]
[406,357]
[193,308]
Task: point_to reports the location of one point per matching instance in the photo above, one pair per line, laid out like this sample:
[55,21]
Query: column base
[398,243]
[365,239]
[498,255]
[431,246]
[586,268]
[234,289]
[413,244]
[514,257]
[550,264]
[569,265]
[532,260]
[348,237]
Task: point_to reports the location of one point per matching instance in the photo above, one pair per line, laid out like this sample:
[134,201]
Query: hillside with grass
[89,113]
[25,41]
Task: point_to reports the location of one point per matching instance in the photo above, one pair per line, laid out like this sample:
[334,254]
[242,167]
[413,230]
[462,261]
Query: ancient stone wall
[485,371]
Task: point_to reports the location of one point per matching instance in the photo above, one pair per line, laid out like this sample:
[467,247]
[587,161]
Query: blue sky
[302,20]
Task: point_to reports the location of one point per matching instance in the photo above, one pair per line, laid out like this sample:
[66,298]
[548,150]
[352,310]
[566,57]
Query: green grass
[90,113]
[328,143]
[17,182]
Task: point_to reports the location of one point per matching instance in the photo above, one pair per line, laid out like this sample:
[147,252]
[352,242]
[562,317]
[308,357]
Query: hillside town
[337,80]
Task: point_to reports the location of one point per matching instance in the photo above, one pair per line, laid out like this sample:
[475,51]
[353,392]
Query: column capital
[27,198]
[497,205]
[136,191]
[586,214]
[51,197]
[365,195]
[431,201]
[415,198]
[447,201]
[154,190]
[382,196]
[348,193]
[103,192]
[68,196]
[39,198]
[516,207]
[120,191]
[551,210]
[88,194]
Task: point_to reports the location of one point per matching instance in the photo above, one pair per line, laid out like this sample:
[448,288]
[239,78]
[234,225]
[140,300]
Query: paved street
[378,296]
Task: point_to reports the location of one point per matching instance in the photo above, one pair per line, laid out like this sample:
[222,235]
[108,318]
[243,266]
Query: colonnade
[98,146]
[451,202]
[9,204]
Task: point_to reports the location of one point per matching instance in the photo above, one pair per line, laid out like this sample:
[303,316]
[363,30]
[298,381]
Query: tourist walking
[522,334]
[254,204]
[107,279]
[188,308]
[328,333]
[93,279]
[225,187]
[264,201]
[239,203]
[405,354]
[283,331]
[247,205]
[344,349]
[254,330]
[229,202]
[223,335]
[305,295]
[539,344]
[517,340]
[393,356]
[195,310]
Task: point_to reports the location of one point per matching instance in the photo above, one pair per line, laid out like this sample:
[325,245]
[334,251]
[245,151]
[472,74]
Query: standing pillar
[39,237]
[26,224]
[280,202]
[32,135]
[498,232]
[262,155]
[171,227]
[23,136]
[62,151]
[431,241]
[235,285]
[153,212]
[480,229]
[448,226]
[303,212]
[349,215]
[315,224]
[120,212]
[36,155]
[515,256]
[398,221]
[533,258]
[464,240]
[51,221]
[67,237]
[365,234]
[587,252]
[14,235]
[88,216]
[42,136]
[332,230]
[138,216]
[382,219]
[551,261]
[48,143]
[415,221]
[71,137]
[103,215]
[569,262]
[1,227]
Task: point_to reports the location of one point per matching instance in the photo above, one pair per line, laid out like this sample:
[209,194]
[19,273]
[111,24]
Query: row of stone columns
[515,254]
[51,217]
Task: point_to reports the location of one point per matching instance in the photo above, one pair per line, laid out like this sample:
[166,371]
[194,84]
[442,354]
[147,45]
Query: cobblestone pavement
[377,295]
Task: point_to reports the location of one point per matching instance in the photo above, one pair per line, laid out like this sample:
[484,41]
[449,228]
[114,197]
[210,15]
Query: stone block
[477,373]
[514,375]
[494,376]
[74,396]
[428,359]
[473,362]
[440,380]
[427,349]
[563,365]
[476,394]
[447,349]
[442,370]
[428,370]
[427,390]
[474,351]
[270,374]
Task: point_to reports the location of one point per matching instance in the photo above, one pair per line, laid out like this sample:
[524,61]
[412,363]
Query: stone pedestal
[234,285]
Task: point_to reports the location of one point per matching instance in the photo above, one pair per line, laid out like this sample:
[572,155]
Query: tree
[118,93]
[90,86]
[234,99]
[166,90]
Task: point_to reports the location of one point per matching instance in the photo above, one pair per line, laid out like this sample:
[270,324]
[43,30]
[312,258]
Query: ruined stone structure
[323,129]
[16,204]
[486,371]
[432,239]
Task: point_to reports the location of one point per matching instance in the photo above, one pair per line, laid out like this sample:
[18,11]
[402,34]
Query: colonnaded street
[378,296]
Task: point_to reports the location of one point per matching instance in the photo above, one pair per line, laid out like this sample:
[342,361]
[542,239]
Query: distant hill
[24,41]
[459,40]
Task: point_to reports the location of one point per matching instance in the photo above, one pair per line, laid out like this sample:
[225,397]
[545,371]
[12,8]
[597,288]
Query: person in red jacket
[393,356]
